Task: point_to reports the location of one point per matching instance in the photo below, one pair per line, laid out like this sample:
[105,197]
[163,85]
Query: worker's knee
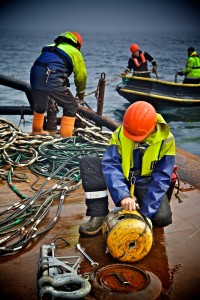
[95,188]
[91,174]
[163,216]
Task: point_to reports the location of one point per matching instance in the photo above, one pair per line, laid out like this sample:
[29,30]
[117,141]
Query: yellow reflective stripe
[173,99]
[81,92]
[168,140]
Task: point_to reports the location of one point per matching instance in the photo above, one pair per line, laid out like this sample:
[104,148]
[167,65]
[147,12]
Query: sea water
[106,53]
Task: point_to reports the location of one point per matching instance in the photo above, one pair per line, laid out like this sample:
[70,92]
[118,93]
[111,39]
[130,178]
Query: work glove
[154,69]
[179,73]
[123,73]
[81,102]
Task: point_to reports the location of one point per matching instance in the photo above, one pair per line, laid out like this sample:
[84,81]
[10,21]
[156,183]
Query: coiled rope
[55,159]
[18,148]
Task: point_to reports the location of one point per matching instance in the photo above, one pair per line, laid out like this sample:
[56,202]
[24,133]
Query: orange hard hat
[79,38]
[134,47]
[139,121]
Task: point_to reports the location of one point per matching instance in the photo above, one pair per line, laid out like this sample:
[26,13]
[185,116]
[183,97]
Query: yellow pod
[128,236]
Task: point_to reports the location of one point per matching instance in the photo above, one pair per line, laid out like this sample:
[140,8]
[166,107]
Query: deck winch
[58,277]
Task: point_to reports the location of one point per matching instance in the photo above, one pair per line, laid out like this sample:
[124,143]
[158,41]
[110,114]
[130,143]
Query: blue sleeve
[160,182]
[113,175]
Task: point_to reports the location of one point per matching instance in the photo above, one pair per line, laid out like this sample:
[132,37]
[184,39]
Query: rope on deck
[57,160]
[20,223]
[18,148]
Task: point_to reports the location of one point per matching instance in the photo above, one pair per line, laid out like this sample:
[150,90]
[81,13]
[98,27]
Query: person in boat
[192,69]
[140,157]
[49,79]
[138,62]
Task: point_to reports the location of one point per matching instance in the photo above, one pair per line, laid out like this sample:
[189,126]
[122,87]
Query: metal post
[100,97]
[51,121]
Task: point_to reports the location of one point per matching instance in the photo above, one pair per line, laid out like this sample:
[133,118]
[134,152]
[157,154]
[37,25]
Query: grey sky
[91,15]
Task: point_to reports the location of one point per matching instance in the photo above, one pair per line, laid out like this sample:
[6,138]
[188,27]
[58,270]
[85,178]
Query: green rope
[14,189]
[52,158]
[53,154]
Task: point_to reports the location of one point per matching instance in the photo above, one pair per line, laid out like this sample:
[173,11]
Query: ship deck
[173,258]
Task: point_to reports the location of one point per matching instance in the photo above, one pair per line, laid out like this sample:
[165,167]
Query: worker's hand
[123,73]
[81,102]
[129,204]
[154,69]
[180,73]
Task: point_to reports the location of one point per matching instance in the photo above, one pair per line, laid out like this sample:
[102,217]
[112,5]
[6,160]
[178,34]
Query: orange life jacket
[136,62]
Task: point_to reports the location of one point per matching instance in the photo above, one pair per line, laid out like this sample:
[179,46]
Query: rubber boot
[92,227]
[67,126]
[37,124]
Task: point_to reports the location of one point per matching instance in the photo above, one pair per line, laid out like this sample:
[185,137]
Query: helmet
[139,120]
[79,38]
[134,47]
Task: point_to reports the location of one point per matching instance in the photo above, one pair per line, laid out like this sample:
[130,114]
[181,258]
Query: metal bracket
[58,276]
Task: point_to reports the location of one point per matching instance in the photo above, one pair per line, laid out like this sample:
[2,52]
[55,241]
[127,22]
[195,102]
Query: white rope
[15,142]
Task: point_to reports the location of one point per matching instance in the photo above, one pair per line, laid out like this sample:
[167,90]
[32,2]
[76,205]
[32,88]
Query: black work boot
[91,227]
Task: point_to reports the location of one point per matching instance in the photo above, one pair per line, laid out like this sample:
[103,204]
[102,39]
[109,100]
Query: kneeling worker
[140,155]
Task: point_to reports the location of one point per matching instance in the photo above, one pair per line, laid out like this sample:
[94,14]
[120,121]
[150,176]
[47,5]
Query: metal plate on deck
[123,281]
[123,278]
